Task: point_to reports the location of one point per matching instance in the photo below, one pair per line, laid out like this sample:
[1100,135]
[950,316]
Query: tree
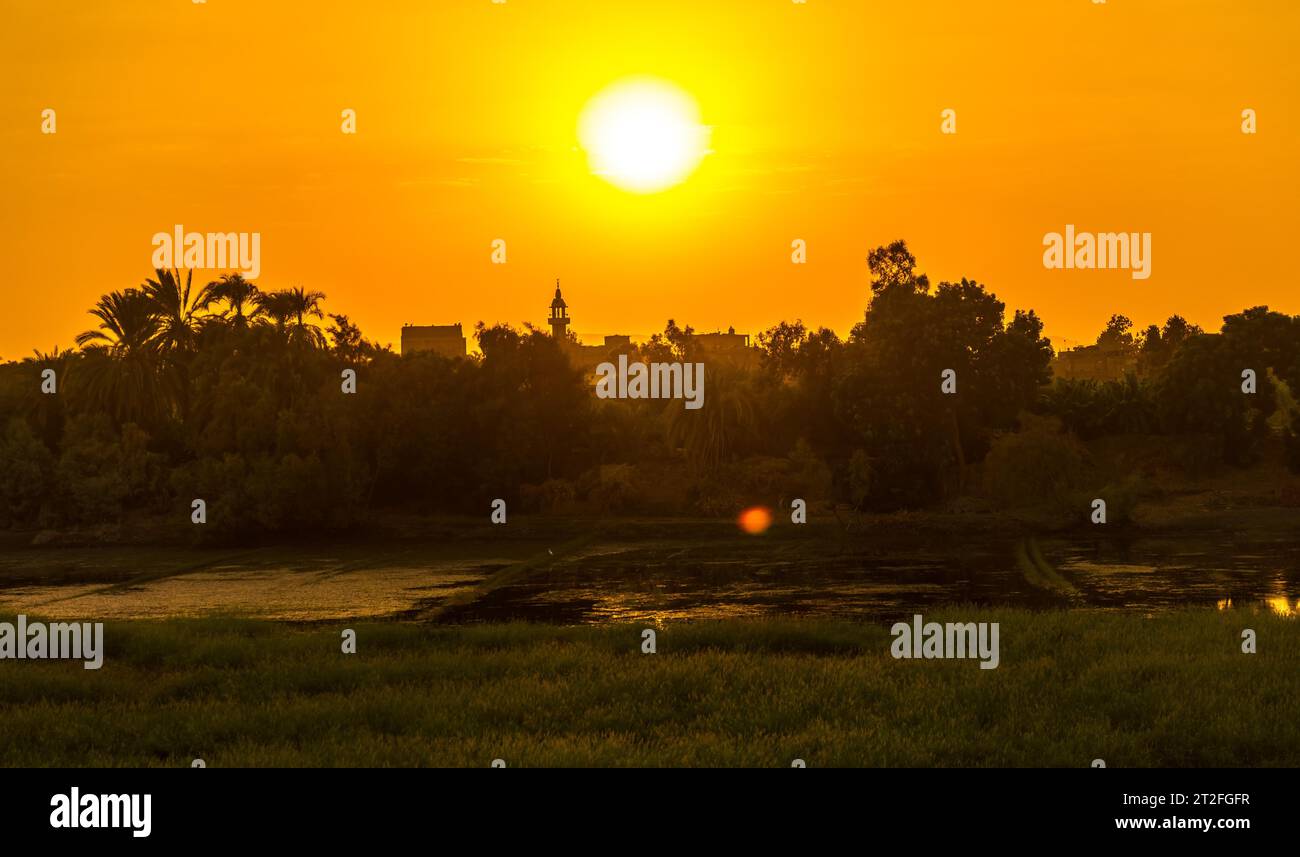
[47,413]
[1117,333]
[895,266]
[176,315]
[711,435]
[888,393]
[346,340]
[780,345]
[675,343]
[242,299]
[128,324]
[120,371]
[1199,392]
[290,310]
[1157,346]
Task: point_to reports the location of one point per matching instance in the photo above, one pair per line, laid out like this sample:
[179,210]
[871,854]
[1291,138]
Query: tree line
[232,394]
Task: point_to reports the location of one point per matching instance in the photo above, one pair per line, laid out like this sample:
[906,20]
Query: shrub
[552,496]
[614,489]
[1039,465]
[25,468]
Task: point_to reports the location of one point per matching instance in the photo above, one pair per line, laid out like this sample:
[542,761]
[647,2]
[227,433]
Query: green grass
[1174,690]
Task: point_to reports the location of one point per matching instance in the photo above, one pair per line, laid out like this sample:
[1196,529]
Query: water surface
[653,580]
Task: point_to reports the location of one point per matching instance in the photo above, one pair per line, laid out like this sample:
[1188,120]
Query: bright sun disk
[643,135]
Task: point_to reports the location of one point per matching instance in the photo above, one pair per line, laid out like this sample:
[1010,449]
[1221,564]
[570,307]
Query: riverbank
[1251,522]
[1071,687]
[1261,503]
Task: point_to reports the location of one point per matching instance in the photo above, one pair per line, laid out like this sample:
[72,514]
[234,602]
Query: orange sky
[826,126]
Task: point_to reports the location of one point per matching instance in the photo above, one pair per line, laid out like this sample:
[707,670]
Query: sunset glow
[824,125]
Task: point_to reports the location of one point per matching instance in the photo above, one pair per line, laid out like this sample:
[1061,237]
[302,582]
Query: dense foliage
[234,395]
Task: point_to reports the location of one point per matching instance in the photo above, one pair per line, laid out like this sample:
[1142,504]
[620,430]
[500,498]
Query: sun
[643,135]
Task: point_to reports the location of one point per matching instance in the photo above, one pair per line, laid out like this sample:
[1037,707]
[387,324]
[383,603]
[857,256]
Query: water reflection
[865,579]
[1281,606]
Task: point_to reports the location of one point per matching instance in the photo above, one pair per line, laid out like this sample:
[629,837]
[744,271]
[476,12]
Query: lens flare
[756,520]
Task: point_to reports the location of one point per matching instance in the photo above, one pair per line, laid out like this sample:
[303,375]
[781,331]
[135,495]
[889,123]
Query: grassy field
[1174,690]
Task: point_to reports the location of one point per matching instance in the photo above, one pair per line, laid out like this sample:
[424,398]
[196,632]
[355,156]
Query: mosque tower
[559,314]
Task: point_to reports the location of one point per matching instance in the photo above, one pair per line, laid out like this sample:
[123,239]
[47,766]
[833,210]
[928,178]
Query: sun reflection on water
[1280,605]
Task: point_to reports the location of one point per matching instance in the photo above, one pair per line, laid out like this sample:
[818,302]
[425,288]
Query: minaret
[559,314]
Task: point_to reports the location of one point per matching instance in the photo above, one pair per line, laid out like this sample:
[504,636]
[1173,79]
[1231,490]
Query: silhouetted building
[584,357]
[445,339]
[730,347]
[559,314]
[721,343]
[1108,362]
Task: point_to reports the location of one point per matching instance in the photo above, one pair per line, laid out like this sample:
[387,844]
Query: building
[445,339]
[729,347]
[584,357]
[722,343]
[449,340]
[588,357]
[1106,362]
[559,315]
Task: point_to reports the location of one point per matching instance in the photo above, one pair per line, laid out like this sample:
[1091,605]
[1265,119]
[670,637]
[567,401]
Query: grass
[1173,690]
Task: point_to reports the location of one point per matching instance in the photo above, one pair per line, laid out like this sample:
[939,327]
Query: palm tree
[290,309]
[177,316]
[177,311]
[55,359]
[47,411]
[121,371]
[128,324]
[242,299]
[710,435]
[274,309]
[306,305]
